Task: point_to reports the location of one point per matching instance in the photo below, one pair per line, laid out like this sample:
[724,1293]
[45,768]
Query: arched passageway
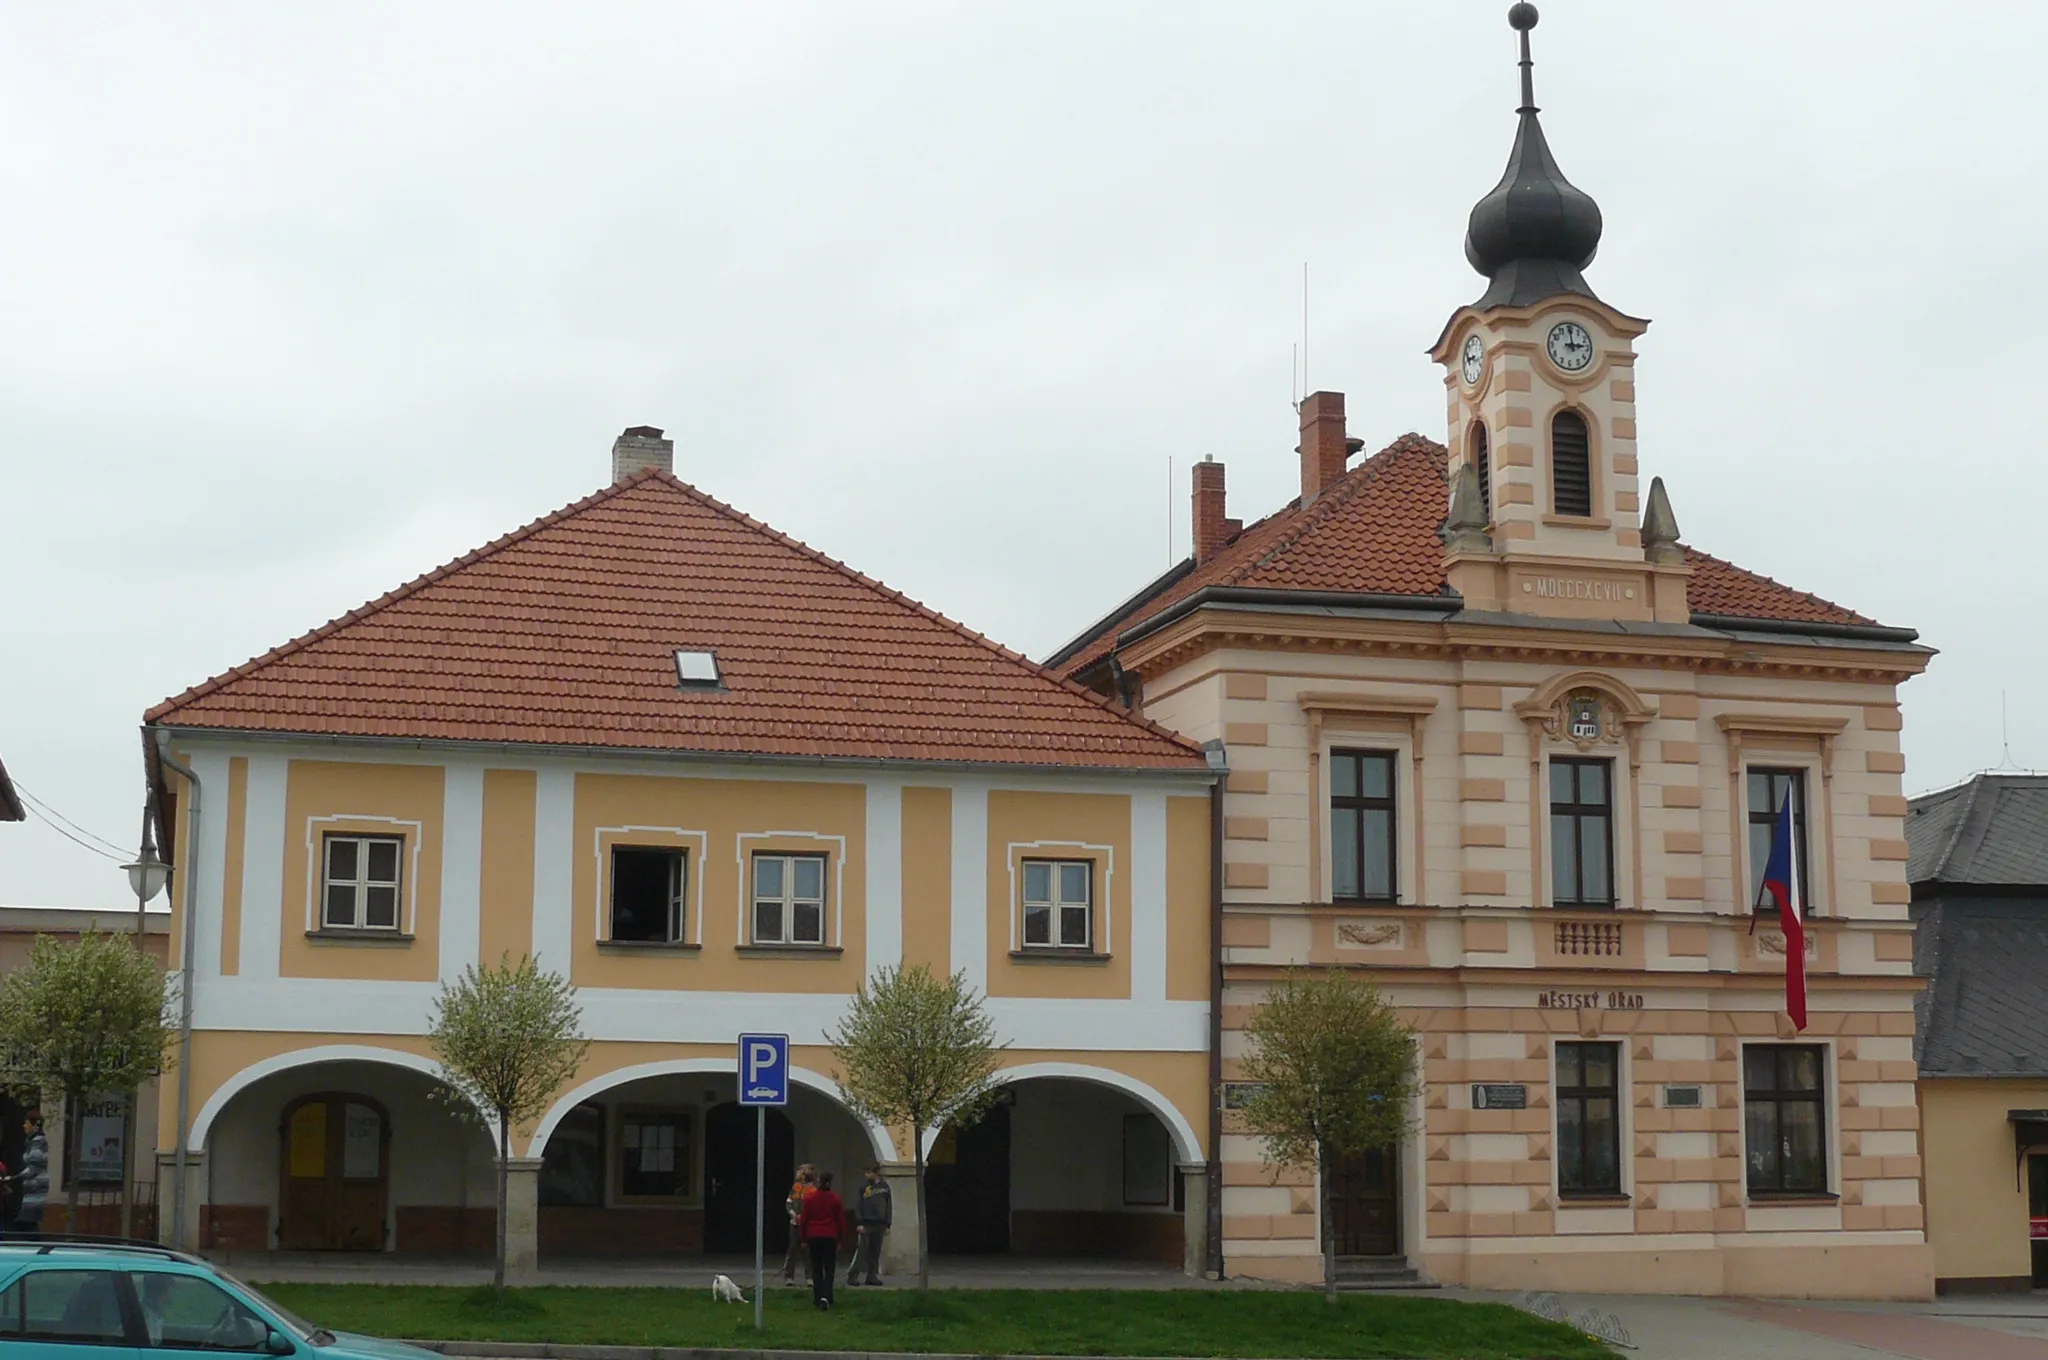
[1064,1165]
[343,1154]
[660,1160]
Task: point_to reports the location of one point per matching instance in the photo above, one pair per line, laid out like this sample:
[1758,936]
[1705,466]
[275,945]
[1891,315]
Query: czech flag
[1781,881]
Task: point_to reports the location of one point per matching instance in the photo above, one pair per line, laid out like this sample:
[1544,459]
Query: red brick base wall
[1058,1232]
[621,1232]
[234,1227]
[445,1227]
[99,1220]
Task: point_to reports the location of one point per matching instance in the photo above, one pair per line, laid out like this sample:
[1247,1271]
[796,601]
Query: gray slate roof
[1992,831]
[1985,1010]
[1978,860]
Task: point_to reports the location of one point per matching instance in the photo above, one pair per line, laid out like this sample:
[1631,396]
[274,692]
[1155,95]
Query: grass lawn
[975,1322]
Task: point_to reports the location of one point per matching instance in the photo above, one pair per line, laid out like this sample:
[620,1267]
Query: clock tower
[1546,513]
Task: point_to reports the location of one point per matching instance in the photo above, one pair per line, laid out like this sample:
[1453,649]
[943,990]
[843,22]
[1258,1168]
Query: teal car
[87,1299]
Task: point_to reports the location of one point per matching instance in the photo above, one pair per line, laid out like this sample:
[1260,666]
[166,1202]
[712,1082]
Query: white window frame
[789,901]
[1057,904]
[678,890]
[362,882]
[1814,793]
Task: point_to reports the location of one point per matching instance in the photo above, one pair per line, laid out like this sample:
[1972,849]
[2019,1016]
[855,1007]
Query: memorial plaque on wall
[1497,1096]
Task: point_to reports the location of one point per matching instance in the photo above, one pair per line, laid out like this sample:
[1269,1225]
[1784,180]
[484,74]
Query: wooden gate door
[336,1168]
[967,1178]
[1365,1211]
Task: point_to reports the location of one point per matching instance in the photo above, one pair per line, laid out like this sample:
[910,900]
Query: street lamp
[147,876]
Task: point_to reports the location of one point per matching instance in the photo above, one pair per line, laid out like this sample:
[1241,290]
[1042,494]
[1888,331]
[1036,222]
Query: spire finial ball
[1522,17]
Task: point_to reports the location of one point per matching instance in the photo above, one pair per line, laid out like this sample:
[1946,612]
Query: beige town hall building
[1500,742]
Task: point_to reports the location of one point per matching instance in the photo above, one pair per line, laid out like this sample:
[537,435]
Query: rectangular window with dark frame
[789,899]
[1362,826]
[1589,1119]
[655,1154]
[648,883]
[360,882]
[1581,832]
[1059,904]
[1768,790]
[1784,1119]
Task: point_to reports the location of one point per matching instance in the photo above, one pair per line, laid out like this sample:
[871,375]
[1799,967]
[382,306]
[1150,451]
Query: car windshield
[277,1310]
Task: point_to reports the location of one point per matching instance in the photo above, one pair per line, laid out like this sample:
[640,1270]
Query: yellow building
[1498,741]
[1980,901]
[716,779]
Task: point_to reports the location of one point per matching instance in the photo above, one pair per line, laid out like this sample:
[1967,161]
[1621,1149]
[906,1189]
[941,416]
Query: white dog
[725,1291]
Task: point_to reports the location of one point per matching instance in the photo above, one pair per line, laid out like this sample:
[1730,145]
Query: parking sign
[764,1069]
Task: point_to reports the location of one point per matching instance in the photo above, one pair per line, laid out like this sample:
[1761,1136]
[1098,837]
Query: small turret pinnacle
[1660,528]
[1465,527]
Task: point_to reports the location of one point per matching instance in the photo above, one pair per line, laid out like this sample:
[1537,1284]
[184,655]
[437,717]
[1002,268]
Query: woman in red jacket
[819,1224]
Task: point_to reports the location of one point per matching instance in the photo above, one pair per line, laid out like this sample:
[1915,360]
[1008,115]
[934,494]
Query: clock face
[1571,349]
[1475,360]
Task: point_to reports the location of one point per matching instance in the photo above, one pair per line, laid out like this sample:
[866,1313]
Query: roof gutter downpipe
[189,943]
[1219,762]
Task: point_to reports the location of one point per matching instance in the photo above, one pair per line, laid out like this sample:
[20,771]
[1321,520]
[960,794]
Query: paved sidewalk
[695,1272]
[2011,1327]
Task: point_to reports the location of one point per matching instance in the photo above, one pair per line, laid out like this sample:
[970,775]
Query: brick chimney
[1323,445]
[1213,532]
[641,447]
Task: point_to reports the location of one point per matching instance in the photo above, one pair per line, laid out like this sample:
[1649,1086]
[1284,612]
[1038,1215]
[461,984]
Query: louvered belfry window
[1484,465]
[1571,470]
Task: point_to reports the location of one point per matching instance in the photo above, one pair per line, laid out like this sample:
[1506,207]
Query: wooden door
[1365,1210]
[336,1170]
[968,1176]
[729,1189]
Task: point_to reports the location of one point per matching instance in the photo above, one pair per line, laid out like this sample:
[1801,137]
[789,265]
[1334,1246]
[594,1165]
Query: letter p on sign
[764,1069]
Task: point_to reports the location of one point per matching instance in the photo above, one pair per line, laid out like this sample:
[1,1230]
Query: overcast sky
[297,302]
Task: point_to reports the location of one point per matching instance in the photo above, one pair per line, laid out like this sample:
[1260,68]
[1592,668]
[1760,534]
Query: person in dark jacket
[32,1182]
[820,1222]
[872,1215]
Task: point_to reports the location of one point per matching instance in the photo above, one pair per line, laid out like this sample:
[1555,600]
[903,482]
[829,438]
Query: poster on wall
[306,1141]
[102,1129]
[362,1139]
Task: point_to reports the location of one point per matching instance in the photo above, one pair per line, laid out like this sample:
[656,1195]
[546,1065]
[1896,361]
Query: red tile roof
[564,632]
[10,805]
[1375,532]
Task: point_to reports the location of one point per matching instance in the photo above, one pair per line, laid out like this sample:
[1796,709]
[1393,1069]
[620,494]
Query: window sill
[1792,1199]
[350,935]
[1558,521]
[649,946]
[1053,954]
[1572,1199]
[790,951]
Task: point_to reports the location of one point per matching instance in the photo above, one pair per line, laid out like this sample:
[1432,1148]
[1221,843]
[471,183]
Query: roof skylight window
[697,669]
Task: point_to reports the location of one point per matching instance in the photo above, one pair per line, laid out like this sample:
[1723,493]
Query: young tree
[83,1018]
[914,1050]
[1333,1067]
[509,1037]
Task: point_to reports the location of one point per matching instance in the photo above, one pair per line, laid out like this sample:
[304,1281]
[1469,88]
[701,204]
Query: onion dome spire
[1535,231]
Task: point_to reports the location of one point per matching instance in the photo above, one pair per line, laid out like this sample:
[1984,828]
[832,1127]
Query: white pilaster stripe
[970,883]
[462,855]
[263,890]
[210,838]
[885,874]
[554,851]
[1148,896]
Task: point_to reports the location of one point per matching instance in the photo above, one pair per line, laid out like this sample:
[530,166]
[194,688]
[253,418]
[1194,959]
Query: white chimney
[641,447]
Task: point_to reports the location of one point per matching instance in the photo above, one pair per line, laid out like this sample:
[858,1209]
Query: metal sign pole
[760,1202]
[763,1070]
